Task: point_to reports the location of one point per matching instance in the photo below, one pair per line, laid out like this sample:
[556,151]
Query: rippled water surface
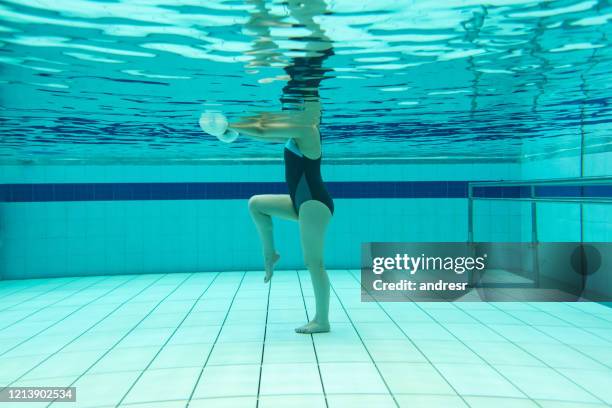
[108,80]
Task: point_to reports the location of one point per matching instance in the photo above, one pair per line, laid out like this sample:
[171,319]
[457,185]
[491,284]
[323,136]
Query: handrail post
[470,214]
[534,237]
[471,280]
[533,199]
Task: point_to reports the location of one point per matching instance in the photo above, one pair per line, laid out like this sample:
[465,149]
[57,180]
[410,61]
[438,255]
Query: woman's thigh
[274,205]
[314,219]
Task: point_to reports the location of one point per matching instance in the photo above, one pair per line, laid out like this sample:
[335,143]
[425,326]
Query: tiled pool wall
[127,236]
[562,221]
[43,238]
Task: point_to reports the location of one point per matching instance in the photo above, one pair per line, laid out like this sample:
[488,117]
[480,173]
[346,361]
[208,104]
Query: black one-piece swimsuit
[303,177]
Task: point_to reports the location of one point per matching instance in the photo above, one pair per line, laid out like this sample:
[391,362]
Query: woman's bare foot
[313,326]
[269,262]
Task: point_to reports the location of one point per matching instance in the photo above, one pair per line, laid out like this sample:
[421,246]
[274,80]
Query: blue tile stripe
[557,191]
[242,190]
[502,192]
[596,191]
[220,191]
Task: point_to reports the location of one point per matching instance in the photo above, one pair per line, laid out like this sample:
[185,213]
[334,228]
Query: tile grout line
[571,305]
[469,348]
[462,342]
[108,350]
[289,363]
[589,330]
[141,405]
[549,335]
[535,356]
[76,291]
[21,286]
[364,346]
[263,347]
[412,342]
[523,349]
[586,330]
[468,311]
[18,285]
[169,338]
[314,347]
[65,345]
[65,317]
[38,295]
[547,365]
[568,304]
[195,386]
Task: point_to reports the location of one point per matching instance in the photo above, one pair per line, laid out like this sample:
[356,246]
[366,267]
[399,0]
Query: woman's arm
[276,127]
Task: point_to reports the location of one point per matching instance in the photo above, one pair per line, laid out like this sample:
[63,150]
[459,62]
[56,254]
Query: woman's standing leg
[263,208]
[314,218]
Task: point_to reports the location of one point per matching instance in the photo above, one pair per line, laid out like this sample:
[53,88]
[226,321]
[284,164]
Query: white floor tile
[545,383]
[228,381]
[478,379]
[430,401]
[293,401]
[360,401]
[293,378]
[352,378]
[414,378]
[163,384]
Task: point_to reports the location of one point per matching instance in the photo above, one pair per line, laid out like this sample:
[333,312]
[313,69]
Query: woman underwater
[308,201]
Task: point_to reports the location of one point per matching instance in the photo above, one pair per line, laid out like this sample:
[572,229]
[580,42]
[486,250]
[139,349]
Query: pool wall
[112,236]
[561,221]
[45,236]
[566,221]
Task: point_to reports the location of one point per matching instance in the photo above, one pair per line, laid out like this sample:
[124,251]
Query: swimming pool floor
[227,340]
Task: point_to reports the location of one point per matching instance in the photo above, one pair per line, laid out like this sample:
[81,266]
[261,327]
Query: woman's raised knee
[254,203]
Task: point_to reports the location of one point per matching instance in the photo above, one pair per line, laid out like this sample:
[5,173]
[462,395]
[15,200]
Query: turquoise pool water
[102,80]
[129,265]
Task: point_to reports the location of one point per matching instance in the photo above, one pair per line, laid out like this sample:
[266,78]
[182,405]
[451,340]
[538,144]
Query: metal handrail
[534,200]
[551,182]
[575,181]
[586,200]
